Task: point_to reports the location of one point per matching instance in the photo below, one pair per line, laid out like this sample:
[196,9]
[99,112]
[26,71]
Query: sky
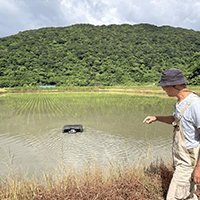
[22,15]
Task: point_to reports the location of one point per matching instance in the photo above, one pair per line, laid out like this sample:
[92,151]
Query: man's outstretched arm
[164,119]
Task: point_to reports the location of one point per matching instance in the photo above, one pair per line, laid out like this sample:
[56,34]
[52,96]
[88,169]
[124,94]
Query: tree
[194,70]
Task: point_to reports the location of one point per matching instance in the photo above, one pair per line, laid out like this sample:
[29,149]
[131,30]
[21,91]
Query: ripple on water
[38,152]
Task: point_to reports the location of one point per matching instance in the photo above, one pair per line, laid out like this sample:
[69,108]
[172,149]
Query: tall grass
[91,182]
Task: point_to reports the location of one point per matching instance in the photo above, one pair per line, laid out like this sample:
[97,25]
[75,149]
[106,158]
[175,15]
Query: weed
[119,182]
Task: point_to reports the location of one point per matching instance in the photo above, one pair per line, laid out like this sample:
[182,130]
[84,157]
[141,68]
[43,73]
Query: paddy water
[31,138]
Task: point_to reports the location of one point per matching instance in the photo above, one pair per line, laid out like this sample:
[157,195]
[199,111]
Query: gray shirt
[190,120]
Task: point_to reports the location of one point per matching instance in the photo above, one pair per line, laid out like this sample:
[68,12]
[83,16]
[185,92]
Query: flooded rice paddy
[31,138]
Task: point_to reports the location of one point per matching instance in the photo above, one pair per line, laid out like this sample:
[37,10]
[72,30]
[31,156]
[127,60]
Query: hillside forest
[88,55]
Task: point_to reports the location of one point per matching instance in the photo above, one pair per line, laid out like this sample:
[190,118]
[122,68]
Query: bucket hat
[172,76]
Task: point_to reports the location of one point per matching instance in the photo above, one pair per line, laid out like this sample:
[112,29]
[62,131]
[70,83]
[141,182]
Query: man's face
[170,90]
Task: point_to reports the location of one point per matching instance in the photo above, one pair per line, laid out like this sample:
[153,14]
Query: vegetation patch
[119,182]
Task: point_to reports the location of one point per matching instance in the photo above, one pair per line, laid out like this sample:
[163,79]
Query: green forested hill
[84,55]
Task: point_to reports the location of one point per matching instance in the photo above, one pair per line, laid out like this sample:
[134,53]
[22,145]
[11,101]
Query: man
[186,147]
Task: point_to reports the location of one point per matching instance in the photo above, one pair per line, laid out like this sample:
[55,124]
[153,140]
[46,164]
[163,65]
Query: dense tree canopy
[85,55]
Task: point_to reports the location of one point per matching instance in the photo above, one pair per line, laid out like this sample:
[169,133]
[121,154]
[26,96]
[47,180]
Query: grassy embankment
[139,90]
[120,182]
[127,182]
